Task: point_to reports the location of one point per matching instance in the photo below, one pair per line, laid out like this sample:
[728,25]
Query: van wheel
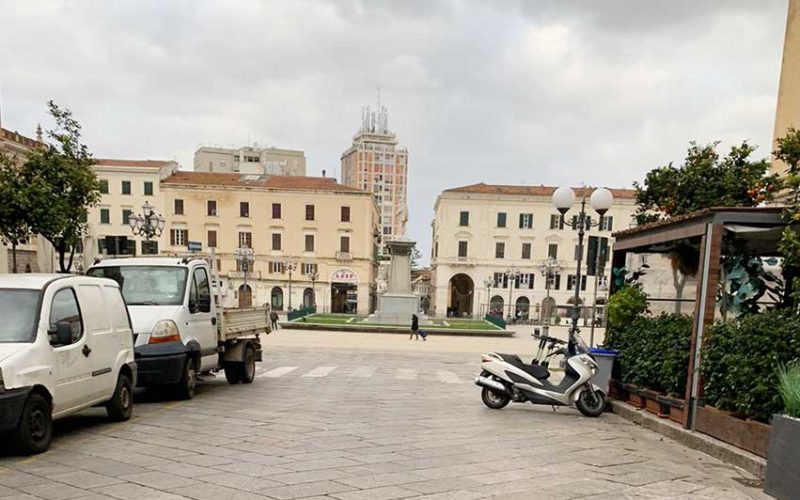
[231,373]
[186,387]
[247,368]
[120,407]
[35,428]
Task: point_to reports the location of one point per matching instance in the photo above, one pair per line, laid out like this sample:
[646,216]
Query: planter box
[745,434]
[677,408]
[617,390]
[634,398]
[783,459]
[652,404]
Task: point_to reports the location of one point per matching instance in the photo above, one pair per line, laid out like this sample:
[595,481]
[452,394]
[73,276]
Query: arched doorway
[496,306]
[245,296]
[461,293]
[523,308]
[548,310]
[308,298]
[276,299]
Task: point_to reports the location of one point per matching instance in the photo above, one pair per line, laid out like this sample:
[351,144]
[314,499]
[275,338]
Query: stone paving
[353,424]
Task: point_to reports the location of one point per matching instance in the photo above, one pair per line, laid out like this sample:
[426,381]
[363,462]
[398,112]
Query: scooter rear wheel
[493,399]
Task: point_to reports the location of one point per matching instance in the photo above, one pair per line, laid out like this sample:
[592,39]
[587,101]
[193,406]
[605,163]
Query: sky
[555,92]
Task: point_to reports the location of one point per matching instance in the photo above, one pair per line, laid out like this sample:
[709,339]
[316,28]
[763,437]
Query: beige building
[326,229]
[125,186]
[788,110]
[481,231]
[250,160]
[374,163]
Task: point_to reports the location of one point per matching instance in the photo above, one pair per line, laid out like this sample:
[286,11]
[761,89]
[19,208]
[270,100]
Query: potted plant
[783,455]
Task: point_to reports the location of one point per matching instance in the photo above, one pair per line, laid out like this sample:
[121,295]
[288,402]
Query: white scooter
[505,378]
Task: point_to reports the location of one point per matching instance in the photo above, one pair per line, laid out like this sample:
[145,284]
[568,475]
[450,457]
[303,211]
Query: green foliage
[61,186]
[789,387]
[739,361]
[705,180]
[788,152]
[625,305]
[654,352]
[14,208]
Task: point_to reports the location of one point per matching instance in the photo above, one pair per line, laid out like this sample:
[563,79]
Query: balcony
[240,274]
[344,256]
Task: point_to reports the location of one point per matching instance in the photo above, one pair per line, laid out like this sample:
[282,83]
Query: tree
[703,181]
[61,186]
[788,152]
[416,256]
[14,228]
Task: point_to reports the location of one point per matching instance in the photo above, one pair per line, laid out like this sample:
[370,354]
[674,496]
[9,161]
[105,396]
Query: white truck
[180,329]
[66,344]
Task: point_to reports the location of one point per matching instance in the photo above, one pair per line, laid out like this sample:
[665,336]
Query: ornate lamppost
[290,266]
[512,273]
[487,283]
[148,223]
[245,257]
[313,276]
[600,200]
[549,269]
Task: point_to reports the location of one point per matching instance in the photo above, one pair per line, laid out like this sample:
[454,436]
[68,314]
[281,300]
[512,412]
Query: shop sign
[344,276]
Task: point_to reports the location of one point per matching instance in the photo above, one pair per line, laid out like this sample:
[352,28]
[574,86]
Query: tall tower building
[788,111]
[375,163]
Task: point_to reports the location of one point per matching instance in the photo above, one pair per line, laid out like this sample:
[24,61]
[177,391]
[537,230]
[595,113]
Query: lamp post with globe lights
[290,266]
[245,257]
[512,273]
[313,276]
[549,268]
[147,224]
[600,200]
[487,283]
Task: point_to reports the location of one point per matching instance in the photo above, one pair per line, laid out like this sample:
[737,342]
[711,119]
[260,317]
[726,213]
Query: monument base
[395,309]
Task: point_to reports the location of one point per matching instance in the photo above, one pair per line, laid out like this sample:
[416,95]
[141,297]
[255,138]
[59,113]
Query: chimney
[323,172]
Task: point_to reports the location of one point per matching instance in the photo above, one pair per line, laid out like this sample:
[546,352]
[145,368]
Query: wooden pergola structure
[702,230]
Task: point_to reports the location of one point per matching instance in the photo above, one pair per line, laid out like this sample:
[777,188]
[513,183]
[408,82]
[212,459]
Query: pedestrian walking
[273,317]
[414,327]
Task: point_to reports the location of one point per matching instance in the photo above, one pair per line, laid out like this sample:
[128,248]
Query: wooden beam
[658,237]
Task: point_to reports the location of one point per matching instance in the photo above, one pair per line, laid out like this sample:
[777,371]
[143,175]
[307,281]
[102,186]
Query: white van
[66,344]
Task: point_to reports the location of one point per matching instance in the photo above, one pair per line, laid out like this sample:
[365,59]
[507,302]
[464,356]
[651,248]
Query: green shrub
[739,362]
[654,352]
[625,305]
[789,377]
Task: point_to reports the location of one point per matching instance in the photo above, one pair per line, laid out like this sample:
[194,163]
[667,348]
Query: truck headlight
[164,331]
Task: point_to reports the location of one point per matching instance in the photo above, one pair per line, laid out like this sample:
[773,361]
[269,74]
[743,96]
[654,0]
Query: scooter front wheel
[493,399]
[591,405]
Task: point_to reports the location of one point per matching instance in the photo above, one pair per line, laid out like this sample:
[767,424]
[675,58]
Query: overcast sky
[534,92]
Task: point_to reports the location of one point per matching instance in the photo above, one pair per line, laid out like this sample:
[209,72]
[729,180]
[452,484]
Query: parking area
[367,416]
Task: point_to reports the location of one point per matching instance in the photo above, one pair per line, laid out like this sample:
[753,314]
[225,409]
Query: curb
[393,330]
[745,460]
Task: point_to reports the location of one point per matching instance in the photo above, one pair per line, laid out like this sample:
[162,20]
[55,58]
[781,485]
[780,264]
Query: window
[309,212]
[556,282]
[200,292]
[436,249]
[245,238]
[344,244]
[500,280]
[178,207]
[499,250]
[65,310]
[105,216]
[462,248]
[309,242]
[556,221]
[463,219]
[606,223]
[345,214]
[501,219]
[103,186]
[211,208]
[126,187]
[587,222]
[526,221]
[276,267]
[276,241]
[149,248]
[179,237]
[244,209]
[126,214]
[571,279]
[309,268]
[552,250]
[276,211]
[211,238]
[526,280]
[526,250]
[148,188]
[387,230]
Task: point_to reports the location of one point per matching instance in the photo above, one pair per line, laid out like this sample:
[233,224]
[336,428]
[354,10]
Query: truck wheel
[232,373]
[35,429]
[247,368]
[120,407]
[186,387]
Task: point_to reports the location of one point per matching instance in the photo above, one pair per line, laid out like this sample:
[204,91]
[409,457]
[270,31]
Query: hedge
[741,358]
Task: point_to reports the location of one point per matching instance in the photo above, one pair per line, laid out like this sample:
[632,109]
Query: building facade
[250,160]
[374,163]
[787,113]
[327,230]
[480,232]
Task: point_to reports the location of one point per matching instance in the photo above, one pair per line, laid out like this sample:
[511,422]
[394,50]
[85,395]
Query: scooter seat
[536,371]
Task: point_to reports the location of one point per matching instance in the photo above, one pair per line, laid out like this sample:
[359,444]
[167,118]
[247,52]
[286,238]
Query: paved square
[361,416]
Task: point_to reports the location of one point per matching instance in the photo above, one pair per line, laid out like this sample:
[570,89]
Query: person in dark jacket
[414,327]
[273,316]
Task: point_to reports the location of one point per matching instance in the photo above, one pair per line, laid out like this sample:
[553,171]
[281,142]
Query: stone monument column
[400,267]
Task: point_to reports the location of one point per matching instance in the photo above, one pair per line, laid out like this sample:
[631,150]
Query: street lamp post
[290,266]
[487,283]
[600,200]
[313,276]
[148,223]
[549,268]
[512,273]
[245,257]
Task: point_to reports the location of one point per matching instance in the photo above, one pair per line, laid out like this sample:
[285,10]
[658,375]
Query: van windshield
[147,285]
[19,309]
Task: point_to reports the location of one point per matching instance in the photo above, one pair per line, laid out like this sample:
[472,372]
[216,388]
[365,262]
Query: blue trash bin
[605,363]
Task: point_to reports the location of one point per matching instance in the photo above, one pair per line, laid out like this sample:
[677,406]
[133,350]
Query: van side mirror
[60,333]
